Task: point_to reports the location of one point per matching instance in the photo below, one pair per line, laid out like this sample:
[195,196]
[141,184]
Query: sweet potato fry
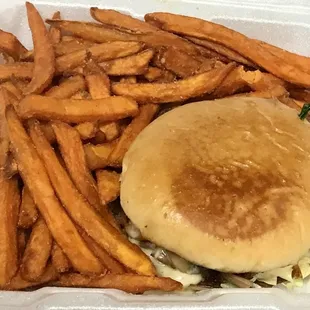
[10,45]
[97,81]
[8,97]
[9,204]
[20,83]
[125,22]
[231,39]
[156,61]
[193,86]
[299,61]
[98,52]
[167,77]
[265,85]
[91,67]
[44,56]
[108,261]
[10,168]
[145,116]
[37,252]
[55,33]
[48,132]
[277,92]
[120,20]
[67,88]
[152,74]
[72,152]
[233,83]
[87,130]
[84,215]
[99,138]
[221,49]
[67,47]
[260,81]
[8,59]
[68,38]
[97,155]
[108,185]
[59,259]
[207,53]
[111,131]
[100,33]
[130,65]
[177,61]
[181,63]
[28,213]
[98,85]
[76,71]
[5,100]
[18,283]
[91,31]
[22,239]
[67,62]
[130,283]
[76,111]
[129,79]
[27,56]
[74,158]
[18,70]
[9,86]
[35,177]
[300,94]
[82,94]
[113,50]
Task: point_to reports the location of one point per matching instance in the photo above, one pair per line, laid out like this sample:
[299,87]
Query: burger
[222,185]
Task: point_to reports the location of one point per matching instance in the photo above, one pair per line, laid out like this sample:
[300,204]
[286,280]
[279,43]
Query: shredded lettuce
[287,274]
[187,279]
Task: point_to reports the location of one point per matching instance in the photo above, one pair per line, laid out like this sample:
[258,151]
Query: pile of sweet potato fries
[71,107]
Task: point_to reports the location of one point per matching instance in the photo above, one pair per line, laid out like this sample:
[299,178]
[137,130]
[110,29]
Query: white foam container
[285,23]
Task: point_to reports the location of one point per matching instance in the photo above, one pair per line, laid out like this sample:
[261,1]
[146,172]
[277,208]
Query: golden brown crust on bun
[223,183]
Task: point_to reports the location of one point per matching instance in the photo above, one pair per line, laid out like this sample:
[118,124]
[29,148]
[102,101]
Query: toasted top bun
[224,184]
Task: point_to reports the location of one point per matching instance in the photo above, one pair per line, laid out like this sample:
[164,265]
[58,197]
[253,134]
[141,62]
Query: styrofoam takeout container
[285,23]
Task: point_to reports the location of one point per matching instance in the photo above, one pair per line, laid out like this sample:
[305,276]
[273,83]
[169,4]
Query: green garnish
[304,111]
